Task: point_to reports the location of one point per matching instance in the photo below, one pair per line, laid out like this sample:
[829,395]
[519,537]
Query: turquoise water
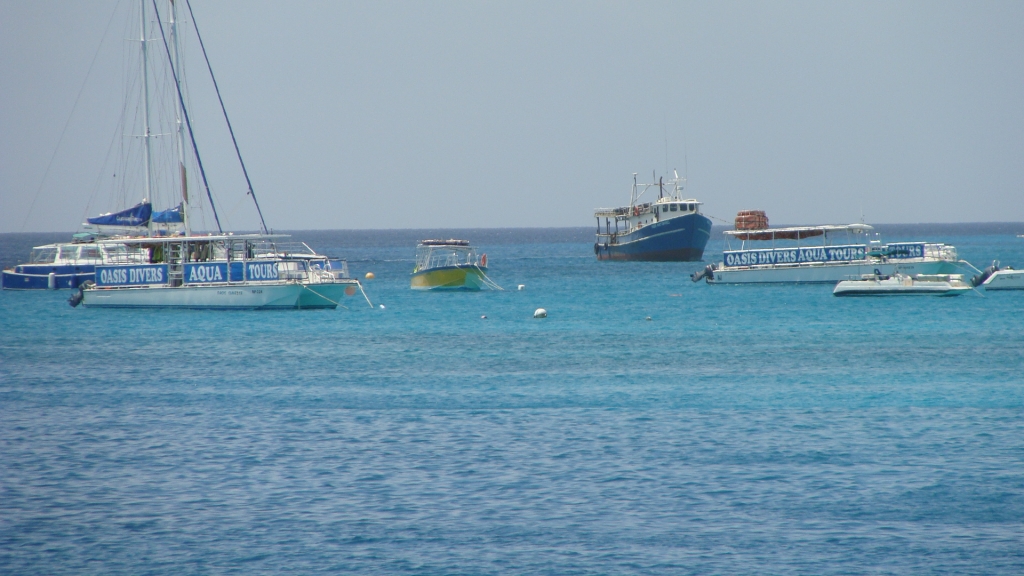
[739,430]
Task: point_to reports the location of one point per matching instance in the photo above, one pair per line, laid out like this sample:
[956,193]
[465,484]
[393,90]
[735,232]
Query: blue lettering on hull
[261,271]
[904,250]
[206,273]
[143,275]
[794,255]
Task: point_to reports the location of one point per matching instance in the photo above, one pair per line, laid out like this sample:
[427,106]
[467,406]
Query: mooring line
[324,297]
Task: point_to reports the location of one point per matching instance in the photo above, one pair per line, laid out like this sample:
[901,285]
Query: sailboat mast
[145,95]
[180,128]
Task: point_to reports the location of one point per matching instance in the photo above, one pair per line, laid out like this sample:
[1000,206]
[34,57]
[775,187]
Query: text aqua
[202,273]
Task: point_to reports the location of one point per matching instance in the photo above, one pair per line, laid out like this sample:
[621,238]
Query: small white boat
[903,285]
[1004,279]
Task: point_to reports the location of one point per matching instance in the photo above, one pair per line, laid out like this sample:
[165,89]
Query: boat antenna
[665,125]
[686,162]
[148,136]
[188,121]
[225,111]
[178,128]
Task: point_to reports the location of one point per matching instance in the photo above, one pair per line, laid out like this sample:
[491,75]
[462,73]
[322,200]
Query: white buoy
[540,313]
[484,317]
[51,281]
[522,287]
[648,318]
[381,306]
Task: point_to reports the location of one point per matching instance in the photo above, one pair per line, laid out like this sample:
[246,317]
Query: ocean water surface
[742,429]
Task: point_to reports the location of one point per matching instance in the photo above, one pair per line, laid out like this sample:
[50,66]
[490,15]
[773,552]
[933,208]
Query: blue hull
[30,277]
[679,239]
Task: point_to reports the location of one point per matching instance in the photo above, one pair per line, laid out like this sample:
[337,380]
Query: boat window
[689,207]
[675,207]
[69,252]
[43,256]
[90,252]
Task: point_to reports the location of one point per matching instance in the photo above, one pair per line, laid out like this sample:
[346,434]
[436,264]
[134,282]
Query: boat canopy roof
[137,215]
[797,232]
[450,242]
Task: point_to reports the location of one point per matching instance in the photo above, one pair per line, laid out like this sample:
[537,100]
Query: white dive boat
[904,285]
[996,278]
[838,252]
[170,267]
[244,271]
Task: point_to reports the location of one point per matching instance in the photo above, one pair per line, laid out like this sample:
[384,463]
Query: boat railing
[338,267]
[435,258]
[268,249]
[940,251]
[122,254]
[320,276]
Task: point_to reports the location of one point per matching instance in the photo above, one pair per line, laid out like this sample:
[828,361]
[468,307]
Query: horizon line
[714,225]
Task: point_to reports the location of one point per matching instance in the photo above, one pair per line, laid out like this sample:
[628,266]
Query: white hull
[826,273]
[1005,280]
[901,286]
[248,296]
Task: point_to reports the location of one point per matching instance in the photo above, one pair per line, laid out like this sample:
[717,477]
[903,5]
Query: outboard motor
[708,272]
[77,297]
[980,279]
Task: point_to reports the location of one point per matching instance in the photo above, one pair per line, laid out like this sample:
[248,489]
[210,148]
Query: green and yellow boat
[448,265]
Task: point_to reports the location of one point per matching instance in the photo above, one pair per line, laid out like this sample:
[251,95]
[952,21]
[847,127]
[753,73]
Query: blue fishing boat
[669,229]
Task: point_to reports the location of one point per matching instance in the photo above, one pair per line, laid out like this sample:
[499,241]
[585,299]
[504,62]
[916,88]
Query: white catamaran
[836,253]
[170,266]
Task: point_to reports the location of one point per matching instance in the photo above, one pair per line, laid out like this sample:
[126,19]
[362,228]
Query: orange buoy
[350,291]
[483,260]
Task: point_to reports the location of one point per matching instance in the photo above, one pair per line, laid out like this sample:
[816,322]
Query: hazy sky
[481,114]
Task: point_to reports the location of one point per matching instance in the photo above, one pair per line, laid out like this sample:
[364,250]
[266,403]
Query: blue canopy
[173,215]
[137,215]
